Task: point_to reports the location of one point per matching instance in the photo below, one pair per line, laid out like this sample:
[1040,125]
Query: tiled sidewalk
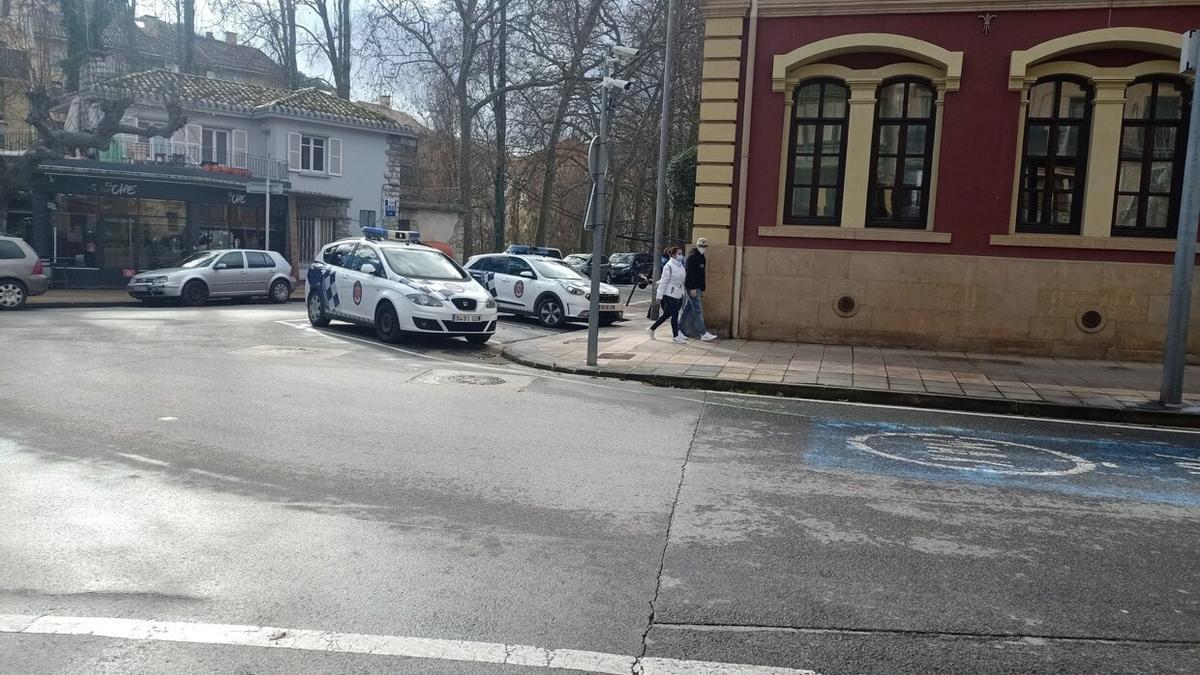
[627,349]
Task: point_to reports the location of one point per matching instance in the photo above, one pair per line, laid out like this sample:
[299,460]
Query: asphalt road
[226,490]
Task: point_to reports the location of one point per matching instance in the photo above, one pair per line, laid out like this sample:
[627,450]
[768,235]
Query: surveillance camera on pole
[616,83]
[624,53]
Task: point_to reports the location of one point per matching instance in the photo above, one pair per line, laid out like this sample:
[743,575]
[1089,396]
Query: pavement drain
[483,380]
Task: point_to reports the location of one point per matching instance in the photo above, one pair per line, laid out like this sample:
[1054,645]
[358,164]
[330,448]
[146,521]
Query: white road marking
[141,459]
[375,645]
[167,419]
[1188,464]
[945,452]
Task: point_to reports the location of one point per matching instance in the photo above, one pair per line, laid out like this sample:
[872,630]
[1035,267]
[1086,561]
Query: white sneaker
[680,339]
[707,337]
[651,332]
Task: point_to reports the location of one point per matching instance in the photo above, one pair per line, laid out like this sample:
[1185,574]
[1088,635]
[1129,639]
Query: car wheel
[387,324]
[194,293]
[12,294]
[281,291]
[479,339]
[316,311]
[550,312]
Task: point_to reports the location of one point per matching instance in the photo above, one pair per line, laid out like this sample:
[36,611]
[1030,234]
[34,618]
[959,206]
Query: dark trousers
[670,310]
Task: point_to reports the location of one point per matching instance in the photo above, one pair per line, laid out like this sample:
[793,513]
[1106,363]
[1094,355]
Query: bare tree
[185,34]
[333,39]
[447,39]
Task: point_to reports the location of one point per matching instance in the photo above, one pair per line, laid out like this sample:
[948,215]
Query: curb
[100,304]
[818,392]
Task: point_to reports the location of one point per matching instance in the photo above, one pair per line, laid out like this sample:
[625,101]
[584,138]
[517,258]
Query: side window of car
[336,255]
[363,255]
[259,260]
[232,261]
[498,263]
[10,251]
[516,266]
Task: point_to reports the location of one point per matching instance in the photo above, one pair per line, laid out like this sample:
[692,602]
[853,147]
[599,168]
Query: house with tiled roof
[146,201]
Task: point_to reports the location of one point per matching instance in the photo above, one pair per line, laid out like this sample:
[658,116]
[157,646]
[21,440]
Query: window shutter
[335,157]
[293,152]
[191,142]
[239,149]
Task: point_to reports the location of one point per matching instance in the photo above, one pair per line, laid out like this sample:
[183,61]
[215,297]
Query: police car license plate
[468,317]
[608,308]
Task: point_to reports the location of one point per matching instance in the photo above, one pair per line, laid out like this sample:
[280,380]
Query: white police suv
[388,280]
[542,287]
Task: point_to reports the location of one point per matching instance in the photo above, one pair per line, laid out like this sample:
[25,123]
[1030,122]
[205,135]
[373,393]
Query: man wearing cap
[693,308]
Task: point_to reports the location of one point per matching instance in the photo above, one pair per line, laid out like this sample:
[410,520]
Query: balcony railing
[164,152]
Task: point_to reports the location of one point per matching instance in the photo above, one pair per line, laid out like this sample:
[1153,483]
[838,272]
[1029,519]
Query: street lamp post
[597,213]
[1175,353]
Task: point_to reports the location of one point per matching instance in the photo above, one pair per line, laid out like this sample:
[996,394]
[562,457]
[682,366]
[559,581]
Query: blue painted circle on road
[963,453]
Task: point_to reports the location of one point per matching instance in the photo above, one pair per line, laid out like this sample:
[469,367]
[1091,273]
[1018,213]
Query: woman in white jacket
[670,293]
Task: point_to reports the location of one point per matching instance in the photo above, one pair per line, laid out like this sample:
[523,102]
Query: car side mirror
[527,274]
[367,268]
[221,266]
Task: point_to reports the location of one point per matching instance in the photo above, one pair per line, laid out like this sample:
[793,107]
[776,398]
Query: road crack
[636,668]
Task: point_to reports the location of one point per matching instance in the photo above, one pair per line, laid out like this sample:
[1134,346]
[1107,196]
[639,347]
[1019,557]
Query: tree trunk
[185,34]
[501,113]
[464,174]
[551,167]
[343,65]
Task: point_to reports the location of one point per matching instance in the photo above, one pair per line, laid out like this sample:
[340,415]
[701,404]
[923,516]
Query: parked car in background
[229,273]
[21,273]
[544,288]
[625,267]
[582,263]
[522,249]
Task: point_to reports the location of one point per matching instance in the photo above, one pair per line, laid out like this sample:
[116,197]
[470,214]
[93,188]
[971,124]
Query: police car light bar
[378,233]
[521,249]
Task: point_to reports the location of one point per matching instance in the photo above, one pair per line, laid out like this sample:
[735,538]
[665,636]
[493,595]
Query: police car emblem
[519,289]
[358,292]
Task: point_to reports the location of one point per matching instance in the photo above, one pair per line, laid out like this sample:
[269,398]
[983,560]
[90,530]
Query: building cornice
[738,8]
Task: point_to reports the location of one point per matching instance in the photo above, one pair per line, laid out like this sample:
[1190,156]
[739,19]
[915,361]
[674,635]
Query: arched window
[1057,127]
[818,153]
[903,154]
[1153,143]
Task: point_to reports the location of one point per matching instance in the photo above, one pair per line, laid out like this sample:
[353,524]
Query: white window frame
[213,131]
[301,150]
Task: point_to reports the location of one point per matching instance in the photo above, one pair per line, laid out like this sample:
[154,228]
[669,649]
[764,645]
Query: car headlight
[573,290]
[490,304]
[425,300]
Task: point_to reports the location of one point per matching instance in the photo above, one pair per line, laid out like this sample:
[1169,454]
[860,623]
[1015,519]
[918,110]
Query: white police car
[388,280]
[542,287]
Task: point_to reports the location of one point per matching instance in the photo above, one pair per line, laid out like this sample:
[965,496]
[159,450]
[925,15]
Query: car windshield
[423,264]
[556,269]
[576,258]
[621,258]
[200,259]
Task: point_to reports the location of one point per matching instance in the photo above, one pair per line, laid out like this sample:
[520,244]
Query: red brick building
[990,176]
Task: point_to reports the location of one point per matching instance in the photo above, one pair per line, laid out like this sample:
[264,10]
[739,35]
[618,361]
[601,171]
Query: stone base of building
[1073,309]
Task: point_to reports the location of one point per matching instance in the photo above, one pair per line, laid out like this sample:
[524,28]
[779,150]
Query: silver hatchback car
[229,273]
[21,273]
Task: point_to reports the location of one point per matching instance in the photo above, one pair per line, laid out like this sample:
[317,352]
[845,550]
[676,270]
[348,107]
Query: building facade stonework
[999,176]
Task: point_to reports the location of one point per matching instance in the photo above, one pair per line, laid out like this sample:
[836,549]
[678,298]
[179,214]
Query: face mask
[679,257]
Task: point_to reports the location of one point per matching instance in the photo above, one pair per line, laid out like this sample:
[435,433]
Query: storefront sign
[389,208]
[121,189]
[237,199]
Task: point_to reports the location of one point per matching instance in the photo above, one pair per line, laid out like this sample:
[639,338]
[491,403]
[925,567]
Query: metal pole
[599,220]
[1175,353]
[267,239]
[664,143]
